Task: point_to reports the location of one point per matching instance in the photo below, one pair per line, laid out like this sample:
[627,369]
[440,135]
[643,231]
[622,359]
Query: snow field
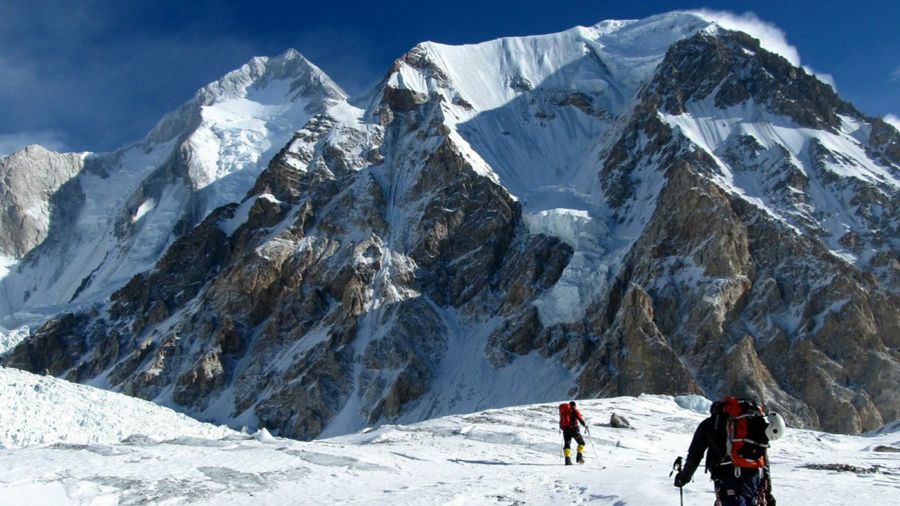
[503,456]
[10,338]
[43,410]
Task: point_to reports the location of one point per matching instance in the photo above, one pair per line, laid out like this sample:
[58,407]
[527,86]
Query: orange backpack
[746,442]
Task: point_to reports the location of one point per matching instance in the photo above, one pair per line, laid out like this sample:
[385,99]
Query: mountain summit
[93,220]
[660,205]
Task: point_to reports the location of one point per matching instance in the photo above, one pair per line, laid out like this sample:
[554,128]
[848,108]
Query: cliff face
[29,179]
[676,213]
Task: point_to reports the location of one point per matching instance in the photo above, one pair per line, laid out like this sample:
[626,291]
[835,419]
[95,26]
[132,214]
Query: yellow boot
[568,453]
[580,456]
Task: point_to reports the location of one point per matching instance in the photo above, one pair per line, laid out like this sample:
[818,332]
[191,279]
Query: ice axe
[677,467]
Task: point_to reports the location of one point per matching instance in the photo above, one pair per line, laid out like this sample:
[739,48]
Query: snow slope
[540,114]
[717,130]
[43,410]
[537,113]
[507,456]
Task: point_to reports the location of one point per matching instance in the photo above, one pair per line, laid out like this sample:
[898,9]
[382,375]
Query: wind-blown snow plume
[770,37]
[893,120]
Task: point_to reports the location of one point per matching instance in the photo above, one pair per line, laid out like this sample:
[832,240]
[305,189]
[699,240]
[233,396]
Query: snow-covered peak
[251,112]
[652,35]
[539,112]
[289,66]
[203,155]
[28,150]
[611,58]
[538,109]
[279,80]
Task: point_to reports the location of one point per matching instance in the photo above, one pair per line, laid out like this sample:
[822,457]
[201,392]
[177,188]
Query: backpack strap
[748,440]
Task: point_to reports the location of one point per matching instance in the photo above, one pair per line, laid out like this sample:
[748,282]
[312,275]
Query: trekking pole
[562,450]
[587,430]
[677,466]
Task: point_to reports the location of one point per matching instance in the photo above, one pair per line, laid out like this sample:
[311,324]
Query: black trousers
[570,434]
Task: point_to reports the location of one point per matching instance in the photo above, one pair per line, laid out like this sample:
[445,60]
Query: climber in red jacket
[569,418]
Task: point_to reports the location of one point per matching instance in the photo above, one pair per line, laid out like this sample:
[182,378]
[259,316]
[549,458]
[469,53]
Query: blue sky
[94,74]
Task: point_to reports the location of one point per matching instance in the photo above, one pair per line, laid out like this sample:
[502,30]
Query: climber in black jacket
[742,488]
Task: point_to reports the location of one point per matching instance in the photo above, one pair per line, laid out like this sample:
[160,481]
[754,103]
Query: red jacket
[572,419]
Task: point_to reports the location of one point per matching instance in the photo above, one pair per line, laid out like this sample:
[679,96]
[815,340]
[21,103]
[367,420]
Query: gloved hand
[682,479]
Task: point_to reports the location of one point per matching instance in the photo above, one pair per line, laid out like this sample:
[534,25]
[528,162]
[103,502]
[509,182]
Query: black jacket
[710,438]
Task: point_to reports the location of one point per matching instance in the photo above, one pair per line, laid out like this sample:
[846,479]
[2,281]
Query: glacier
[132,451]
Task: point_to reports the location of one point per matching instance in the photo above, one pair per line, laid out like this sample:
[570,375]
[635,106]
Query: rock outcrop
[29,180]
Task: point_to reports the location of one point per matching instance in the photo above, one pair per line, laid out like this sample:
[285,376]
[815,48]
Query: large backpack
[746,441]
[565,415]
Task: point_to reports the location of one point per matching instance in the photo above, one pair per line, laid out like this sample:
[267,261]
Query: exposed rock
[634,357]
[520,84]
[884,142]
[56,349]
[735,66]
[402,99]
[619,422]
[518,335]
[538,267]
[29,181]
[844,468]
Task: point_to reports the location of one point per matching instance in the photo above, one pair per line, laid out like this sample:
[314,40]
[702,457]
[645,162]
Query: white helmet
[775,429]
